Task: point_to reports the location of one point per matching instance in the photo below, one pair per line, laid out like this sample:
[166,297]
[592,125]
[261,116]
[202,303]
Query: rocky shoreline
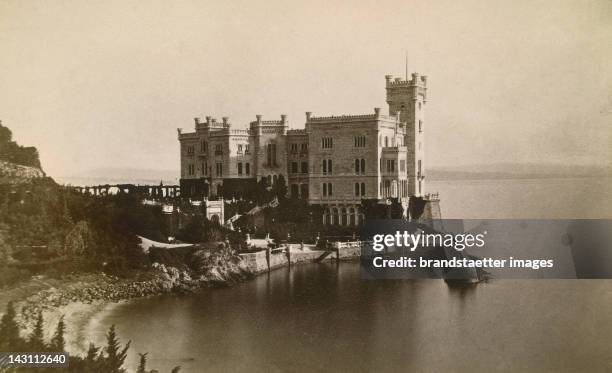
[78,298]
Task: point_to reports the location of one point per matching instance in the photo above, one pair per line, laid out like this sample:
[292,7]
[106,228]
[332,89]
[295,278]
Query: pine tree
[58,342]
[115,356]
[9,330]
[92,360]
[36,341]
[142,366]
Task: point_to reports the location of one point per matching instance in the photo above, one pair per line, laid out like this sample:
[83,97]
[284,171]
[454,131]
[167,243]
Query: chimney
[308,114]
[208,119]
[377,111]
[388,78]
[196,120]
[283,118]
[225,120]
[258,116]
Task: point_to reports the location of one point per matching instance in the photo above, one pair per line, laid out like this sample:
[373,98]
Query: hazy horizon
[101,85]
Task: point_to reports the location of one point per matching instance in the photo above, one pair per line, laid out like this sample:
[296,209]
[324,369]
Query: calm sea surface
[323,317]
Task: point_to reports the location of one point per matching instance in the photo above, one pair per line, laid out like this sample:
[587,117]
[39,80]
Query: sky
[105,84]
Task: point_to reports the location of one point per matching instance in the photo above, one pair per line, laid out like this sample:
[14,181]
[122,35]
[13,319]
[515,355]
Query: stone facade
[335,161]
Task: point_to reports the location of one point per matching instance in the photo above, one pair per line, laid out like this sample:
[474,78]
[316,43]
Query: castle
[335,161]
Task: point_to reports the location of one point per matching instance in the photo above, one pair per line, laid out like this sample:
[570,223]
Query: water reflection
[323,317]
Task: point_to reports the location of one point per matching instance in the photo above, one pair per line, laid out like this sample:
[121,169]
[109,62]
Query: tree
[58,343]
[93,359]
[262,194]
[176,369]
[9,330]
[280,188]
[142,366]
[115,356]
[36,341]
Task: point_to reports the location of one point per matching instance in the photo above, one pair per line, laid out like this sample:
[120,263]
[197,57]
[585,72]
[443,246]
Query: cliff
[18,164]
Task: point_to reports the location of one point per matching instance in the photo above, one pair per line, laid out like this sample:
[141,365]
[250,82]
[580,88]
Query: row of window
[242,149]
[328,189]
[326,143]
[327,166]
[293,148]
[390,165]
[390,188]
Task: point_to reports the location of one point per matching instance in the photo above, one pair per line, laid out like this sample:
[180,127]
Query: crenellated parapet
[416,80]
[350,118]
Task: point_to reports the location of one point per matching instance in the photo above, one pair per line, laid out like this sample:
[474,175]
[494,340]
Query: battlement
[296,132]
[260,122]
[417,80]
[211,123]
[349,118]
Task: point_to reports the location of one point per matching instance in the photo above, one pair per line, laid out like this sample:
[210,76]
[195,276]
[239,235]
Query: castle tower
[408,97]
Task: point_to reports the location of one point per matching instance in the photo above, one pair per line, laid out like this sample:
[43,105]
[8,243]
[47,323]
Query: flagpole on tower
[406,65]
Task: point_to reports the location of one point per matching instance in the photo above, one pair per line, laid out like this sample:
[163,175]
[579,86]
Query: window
[191,169]
[204,168]
[190,149]
[357,190]
[239,168]
[419,167]
[359,166]
[386,141]
[294,167]
[295,191]
[294,148]
[203,146]
[219,169]
[360,141]
[239,149]
[402,165]
[390,165]
[419,106]
[247,168]
[420,126]
[271,154]
[327,142]
[246,149]
[327,189]
[303,148]
[327,166]
[218,149]
[362,189]
[304,169]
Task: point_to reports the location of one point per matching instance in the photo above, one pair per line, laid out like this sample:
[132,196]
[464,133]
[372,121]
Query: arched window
[343,216]
[324,166]
[324,189]
[329,166]
[357,166]
[356,189]
[362,189]
[386,141]
[420,126]
[363,166]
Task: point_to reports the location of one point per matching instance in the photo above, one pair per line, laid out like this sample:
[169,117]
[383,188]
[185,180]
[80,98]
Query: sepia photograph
[305,186]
